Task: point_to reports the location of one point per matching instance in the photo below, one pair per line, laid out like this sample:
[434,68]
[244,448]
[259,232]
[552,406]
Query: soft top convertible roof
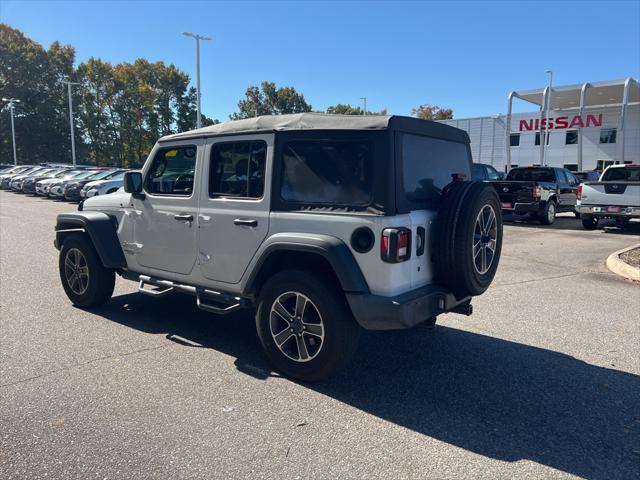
[323,121]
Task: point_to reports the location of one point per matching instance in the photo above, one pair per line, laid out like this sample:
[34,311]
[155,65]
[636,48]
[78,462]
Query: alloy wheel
[485,236]
[296,326]
[76,271]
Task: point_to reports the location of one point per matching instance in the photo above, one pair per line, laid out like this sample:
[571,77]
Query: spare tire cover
[467,238]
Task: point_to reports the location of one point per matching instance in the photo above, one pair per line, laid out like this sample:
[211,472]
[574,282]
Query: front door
[165,227]
[234,204]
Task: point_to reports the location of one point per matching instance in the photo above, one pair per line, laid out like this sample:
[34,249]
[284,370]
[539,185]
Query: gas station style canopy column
[575,97]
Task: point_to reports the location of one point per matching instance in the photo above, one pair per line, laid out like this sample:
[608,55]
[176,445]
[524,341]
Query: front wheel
[548,215]
[85,280]
[305,325]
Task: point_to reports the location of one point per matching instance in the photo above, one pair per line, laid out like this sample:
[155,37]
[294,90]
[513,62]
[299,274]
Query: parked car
[43,185]
[18,182]
[13,181]
[72,189]
[5,166]
[616,195]
[538,191]
[56,189]
[484,171]
[587,176]
[103,187]
[30,182]
[311,233]
[5,176]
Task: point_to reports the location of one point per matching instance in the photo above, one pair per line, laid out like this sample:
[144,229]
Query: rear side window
[172,171]
[626,174]
[237,169]
[477,172]
[531,175]
[327,172]
[430,164]
[492,173]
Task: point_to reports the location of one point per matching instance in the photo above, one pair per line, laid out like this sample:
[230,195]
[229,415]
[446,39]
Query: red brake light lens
[580,192]
[395,244]
[537,193]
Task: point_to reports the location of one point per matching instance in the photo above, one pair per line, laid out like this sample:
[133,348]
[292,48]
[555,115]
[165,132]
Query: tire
[335,332]
[589,222]
[459,242]
[622,223]
[91,290]
[548,215]
[577,215]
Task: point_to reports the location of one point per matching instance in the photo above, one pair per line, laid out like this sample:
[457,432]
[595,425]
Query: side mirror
[133,184]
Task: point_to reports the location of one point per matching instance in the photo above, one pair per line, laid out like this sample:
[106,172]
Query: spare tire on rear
[467,238]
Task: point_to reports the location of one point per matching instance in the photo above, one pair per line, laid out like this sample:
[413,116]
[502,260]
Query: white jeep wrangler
[325,224]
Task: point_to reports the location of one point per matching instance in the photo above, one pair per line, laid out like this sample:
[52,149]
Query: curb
[616,265]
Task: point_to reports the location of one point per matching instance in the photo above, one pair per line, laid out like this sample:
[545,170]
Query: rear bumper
[522,207]
[609,210]
[375,312]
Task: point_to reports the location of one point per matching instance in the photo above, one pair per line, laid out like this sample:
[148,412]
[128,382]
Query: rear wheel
[622,222]
[85,280]
[589,222]
[577,215]
[548,215]
[305,325]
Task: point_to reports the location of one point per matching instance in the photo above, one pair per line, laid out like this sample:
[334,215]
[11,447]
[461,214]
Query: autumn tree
[432,112]
[270,100]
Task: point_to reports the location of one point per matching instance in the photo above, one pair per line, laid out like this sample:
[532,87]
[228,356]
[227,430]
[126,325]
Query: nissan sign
[561,122]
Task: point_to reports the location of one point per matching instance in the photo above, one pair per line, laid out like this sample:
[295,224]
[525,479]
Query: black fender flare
[100,229]
[332,249]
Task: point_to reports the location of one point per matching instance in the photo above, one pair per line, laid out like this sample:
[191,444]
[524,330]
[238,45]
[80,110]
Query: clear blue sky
[463,55]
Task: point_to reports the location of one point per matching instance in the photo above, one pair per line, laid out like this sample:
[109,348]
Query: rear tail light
[395,245]
[537,191]
[580,192]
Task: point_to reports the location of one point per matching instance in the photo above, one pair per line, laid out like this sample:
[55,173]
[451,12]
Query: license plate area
[614,209]
[506,204]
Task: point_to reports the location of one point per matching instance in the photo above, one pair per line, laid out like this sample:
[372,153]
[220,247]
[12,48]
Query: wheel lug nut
[291,330]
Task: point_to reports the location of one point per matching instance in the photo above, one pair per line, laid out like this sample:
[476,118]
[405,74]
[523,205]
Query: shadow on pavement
[501,399]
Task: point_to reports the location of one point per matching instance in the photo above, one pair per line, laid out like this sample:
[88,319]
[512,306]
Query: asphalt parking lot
[541,382]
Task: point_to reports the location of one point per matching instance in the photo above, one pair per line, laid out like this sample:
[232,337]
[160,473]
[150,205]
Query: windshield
[531,175]
[83,174]
[101,175]
[625,174]
[117,176]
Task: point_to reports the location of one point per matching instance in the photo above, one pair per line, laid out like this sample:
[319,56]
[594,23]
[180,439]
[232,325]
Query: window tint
[237,169]
[477,172]
[625,174]
[492,173]
[531,175]
[602,164]
[514,139]
[571,137]
[172,171]
[430,164]
[608,135]
[334,172]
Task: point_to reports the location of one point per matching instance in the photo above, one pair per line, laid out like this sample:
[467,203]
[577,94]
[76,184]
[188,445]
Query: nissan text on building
[585,127]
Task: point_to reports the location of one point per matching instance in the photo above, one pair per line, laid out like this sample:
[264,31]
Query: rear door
[233,216]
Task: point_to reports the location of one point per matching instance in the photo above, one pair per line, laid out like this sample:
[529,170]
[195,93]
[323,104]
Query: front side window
[430,164]
[608,135]
[237,169]
[172,172]
[327,172]
[571,137]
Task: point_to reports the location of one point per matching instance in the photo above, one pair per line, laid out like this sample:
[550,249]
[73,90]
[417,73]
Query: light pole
[12,102]
[73,140]
[197,38]
[546,123]
[364,99]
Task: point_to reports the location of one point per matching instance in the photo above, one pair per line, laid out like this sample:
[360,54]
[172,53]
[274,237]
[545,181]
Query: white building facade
[588,126]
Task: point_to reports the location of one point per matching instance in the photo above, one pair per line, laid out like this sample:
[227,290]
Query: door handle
[245,223]
[183,217]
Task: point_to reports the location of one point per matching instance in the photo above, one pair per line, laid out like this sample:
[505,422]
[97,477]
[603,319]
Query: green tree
[346,109]
[270,100]
[33,75]
[432,112]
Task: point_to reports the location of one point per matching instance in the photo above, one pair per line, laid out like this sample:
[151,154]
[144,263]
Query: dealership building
[580,127]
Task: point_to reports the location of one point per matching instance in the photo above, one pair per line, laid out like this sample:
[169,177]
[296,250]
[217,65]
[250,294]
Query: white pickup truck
[616,195]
